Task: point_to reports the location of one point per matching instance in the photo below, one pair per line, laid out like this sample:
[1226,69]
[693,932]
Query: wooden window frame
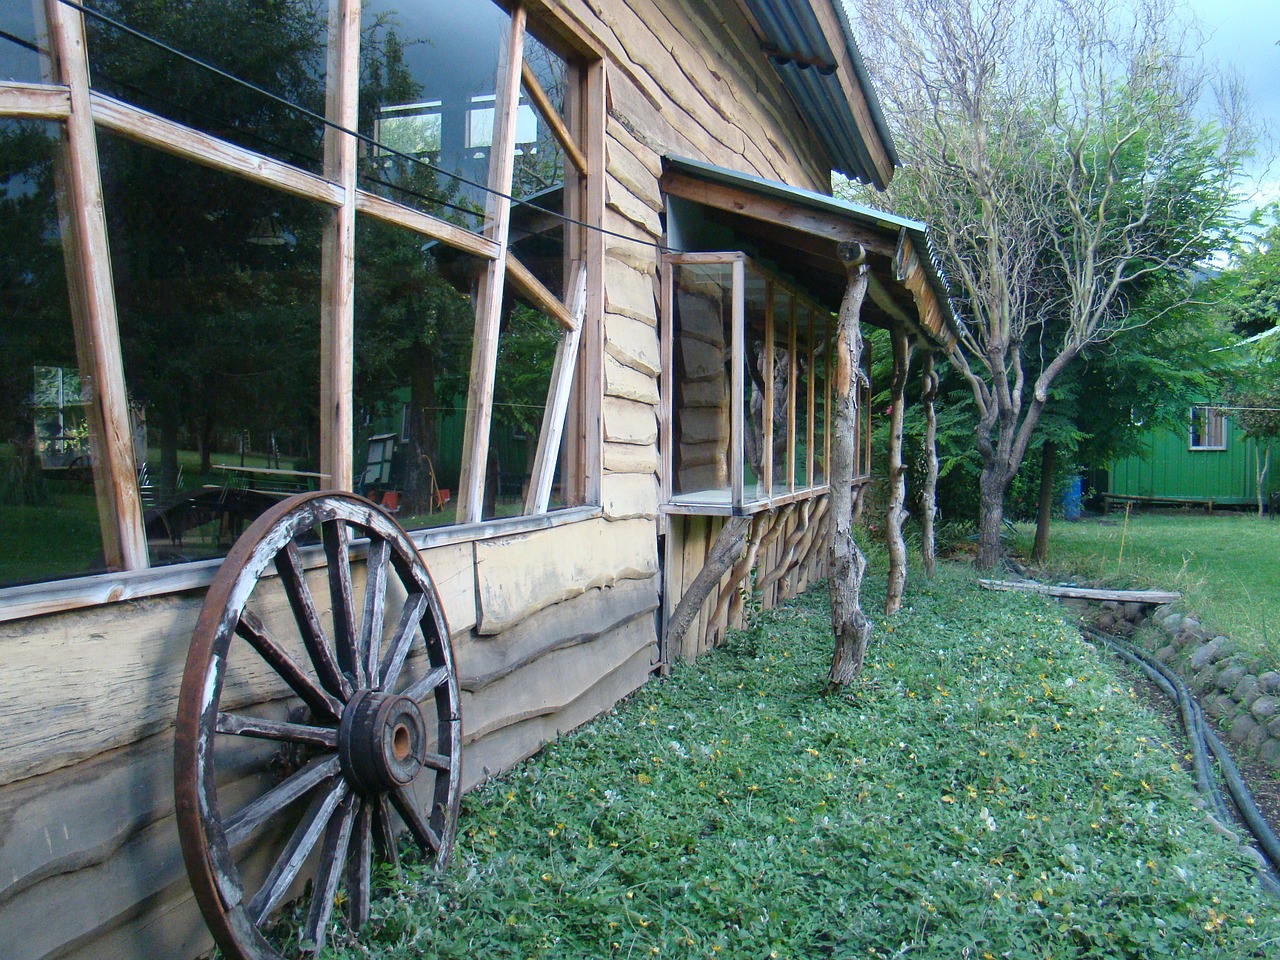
[571,431]
[777,491]
[1211,416]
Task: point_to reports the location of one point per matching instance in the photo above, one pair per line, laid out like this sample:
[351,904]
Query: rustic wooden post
[929,491]
[897,513]
[849,625]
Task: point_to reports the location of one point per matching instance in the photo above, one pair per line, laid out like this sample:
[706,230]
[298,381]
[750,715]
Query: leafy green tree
[1056,150]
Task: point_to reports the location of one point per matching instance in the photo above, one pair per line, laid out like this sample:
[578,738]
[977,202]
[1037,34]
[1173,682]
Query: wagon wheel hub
[382,741]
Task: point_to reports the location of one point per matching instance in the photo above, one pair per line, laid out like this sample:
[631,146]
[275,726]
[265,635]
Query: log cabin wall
[551,626]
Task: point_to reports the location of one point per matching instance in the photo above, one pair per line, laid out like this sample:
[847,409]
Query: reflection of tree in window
[1208,428]
[279,47]
[414,329]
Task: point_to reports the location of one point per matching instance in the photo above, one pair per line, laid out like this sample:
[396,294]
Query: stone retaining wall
[1241,693]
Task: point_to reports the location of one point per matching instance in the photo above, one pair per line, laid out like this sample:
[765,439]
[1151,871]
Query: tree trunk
[990,518]
[419,461]
[846,563]
[1262,465]
[730,543]
[897,513]
[1048,458]
[929,491]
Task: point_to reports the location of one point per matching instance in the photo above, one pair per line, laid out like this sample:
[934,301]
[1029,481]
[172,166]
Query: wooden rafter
[546,108]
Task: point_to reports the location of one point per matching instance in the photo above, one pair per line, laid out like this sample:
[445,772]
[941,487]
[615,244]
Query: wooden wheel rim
[349,692]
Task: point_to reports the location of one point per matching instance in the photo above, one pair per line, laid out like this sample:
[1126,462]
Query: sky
[1244,36]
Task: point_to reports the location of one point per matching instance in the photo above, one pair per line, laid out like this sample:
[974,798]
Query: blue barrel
[1071,508]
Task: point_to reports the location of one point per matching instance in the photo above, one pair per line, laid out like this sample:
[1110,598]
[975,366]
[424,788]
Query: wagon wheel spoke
[238,828]
[360,867]
[299,733]
[303,840]
[289,566]
[333,858]
[345,634]
[384,837]
[426,837]
[251,628]
[375,596]
[415,605]
[419,689]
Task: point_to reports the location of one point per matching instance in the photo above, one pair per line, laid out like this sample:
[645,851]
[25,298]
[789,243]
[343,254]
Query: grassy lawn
[989,789]
[1226,565]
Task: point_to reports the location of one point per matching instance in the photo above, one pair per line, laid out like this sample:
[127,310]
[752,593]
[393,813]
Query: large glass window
[746,380]
[268,65]
[224,279]
[218,290]
[21,26]
[428,80]
[49,519]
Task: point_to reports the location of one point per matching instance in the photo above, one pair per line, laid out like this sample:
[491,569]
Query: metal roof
[801,52]
[914,232]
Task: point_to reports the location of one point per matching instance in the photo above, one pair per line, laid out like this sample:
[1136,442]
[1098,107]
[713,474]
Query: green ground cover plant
[990,788]
[1227,566]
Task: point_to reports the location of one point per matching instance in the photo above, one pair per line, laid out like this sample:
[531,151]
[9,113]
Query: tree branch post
[929,488]
[897,513]
[728,547]
[849,626]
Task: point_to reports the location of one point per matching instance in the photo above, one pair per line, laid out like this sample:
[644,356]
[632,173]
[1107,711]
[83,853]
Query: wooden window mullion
[484,350]
[93,303]
[337,293]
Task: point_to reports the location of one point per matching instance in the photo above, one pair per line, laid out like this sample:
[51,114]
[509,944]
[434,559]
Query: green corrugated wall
[1172,469]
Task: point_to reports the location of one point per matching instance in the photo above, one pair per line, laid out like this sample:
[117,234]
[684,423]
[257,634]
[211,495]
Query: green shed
[1210,462]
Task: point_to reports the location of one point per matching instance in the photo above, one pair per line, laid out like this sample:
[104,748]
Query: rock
[1104,621]
[1166,653]
[1111,606]
[1270,754]
[1190,632]
[1124,627]
[1270,682]
[1264,708]
[1253,743]
[1247,691]
[1211,652]
[1162,613]
[1133,612]
[1256,856]
[1192,625]
[1172,623]
[1243,726]
[1273,727]
[1229,677]
[1217,706]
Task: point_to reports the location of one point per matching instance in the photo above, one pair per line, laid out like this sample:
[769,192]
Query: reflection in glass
[702,357]
[218,285]
[428,77]
[21,59]
[527,343]
[800,411]
[414,323]
[821,393]
[279,48]
[48,512]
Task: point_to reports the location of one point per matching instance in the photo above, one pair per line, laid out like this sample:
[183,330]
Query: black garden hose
[1203,740]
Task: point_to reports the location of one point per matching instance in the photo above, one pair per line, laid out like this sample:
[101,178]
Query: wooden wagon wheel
[301,734]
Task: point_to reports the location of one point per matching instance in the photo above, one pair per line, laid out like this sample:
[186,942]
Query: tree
[1055,150]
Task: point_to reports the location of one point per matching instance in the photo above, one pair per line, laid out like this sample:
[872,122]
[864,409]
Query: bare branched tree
[1055,148]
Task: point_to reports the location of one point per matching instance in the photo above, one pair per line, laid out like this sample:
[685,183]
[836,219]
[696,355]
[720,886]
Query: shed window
[746,361]
[1208,428]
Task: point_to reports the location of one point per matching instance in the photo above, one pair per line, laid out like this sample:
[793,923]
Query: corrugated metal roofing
[801,53]
[917,233]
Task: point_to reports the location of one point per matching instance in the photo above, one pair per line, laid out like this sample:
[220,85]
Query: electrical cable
[363,138]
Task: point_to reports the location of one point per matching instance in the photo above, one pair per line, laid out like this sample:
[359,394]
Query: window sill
[60,596]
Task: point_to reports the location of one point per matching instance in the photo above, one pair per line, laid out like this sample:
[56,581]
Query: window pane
[800,412]
[430,67]
[414,323]
[218,284]
[820,406]
[48,512]
[21,23]
[527,342]
[782,363]
[702,331]
[278,48]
